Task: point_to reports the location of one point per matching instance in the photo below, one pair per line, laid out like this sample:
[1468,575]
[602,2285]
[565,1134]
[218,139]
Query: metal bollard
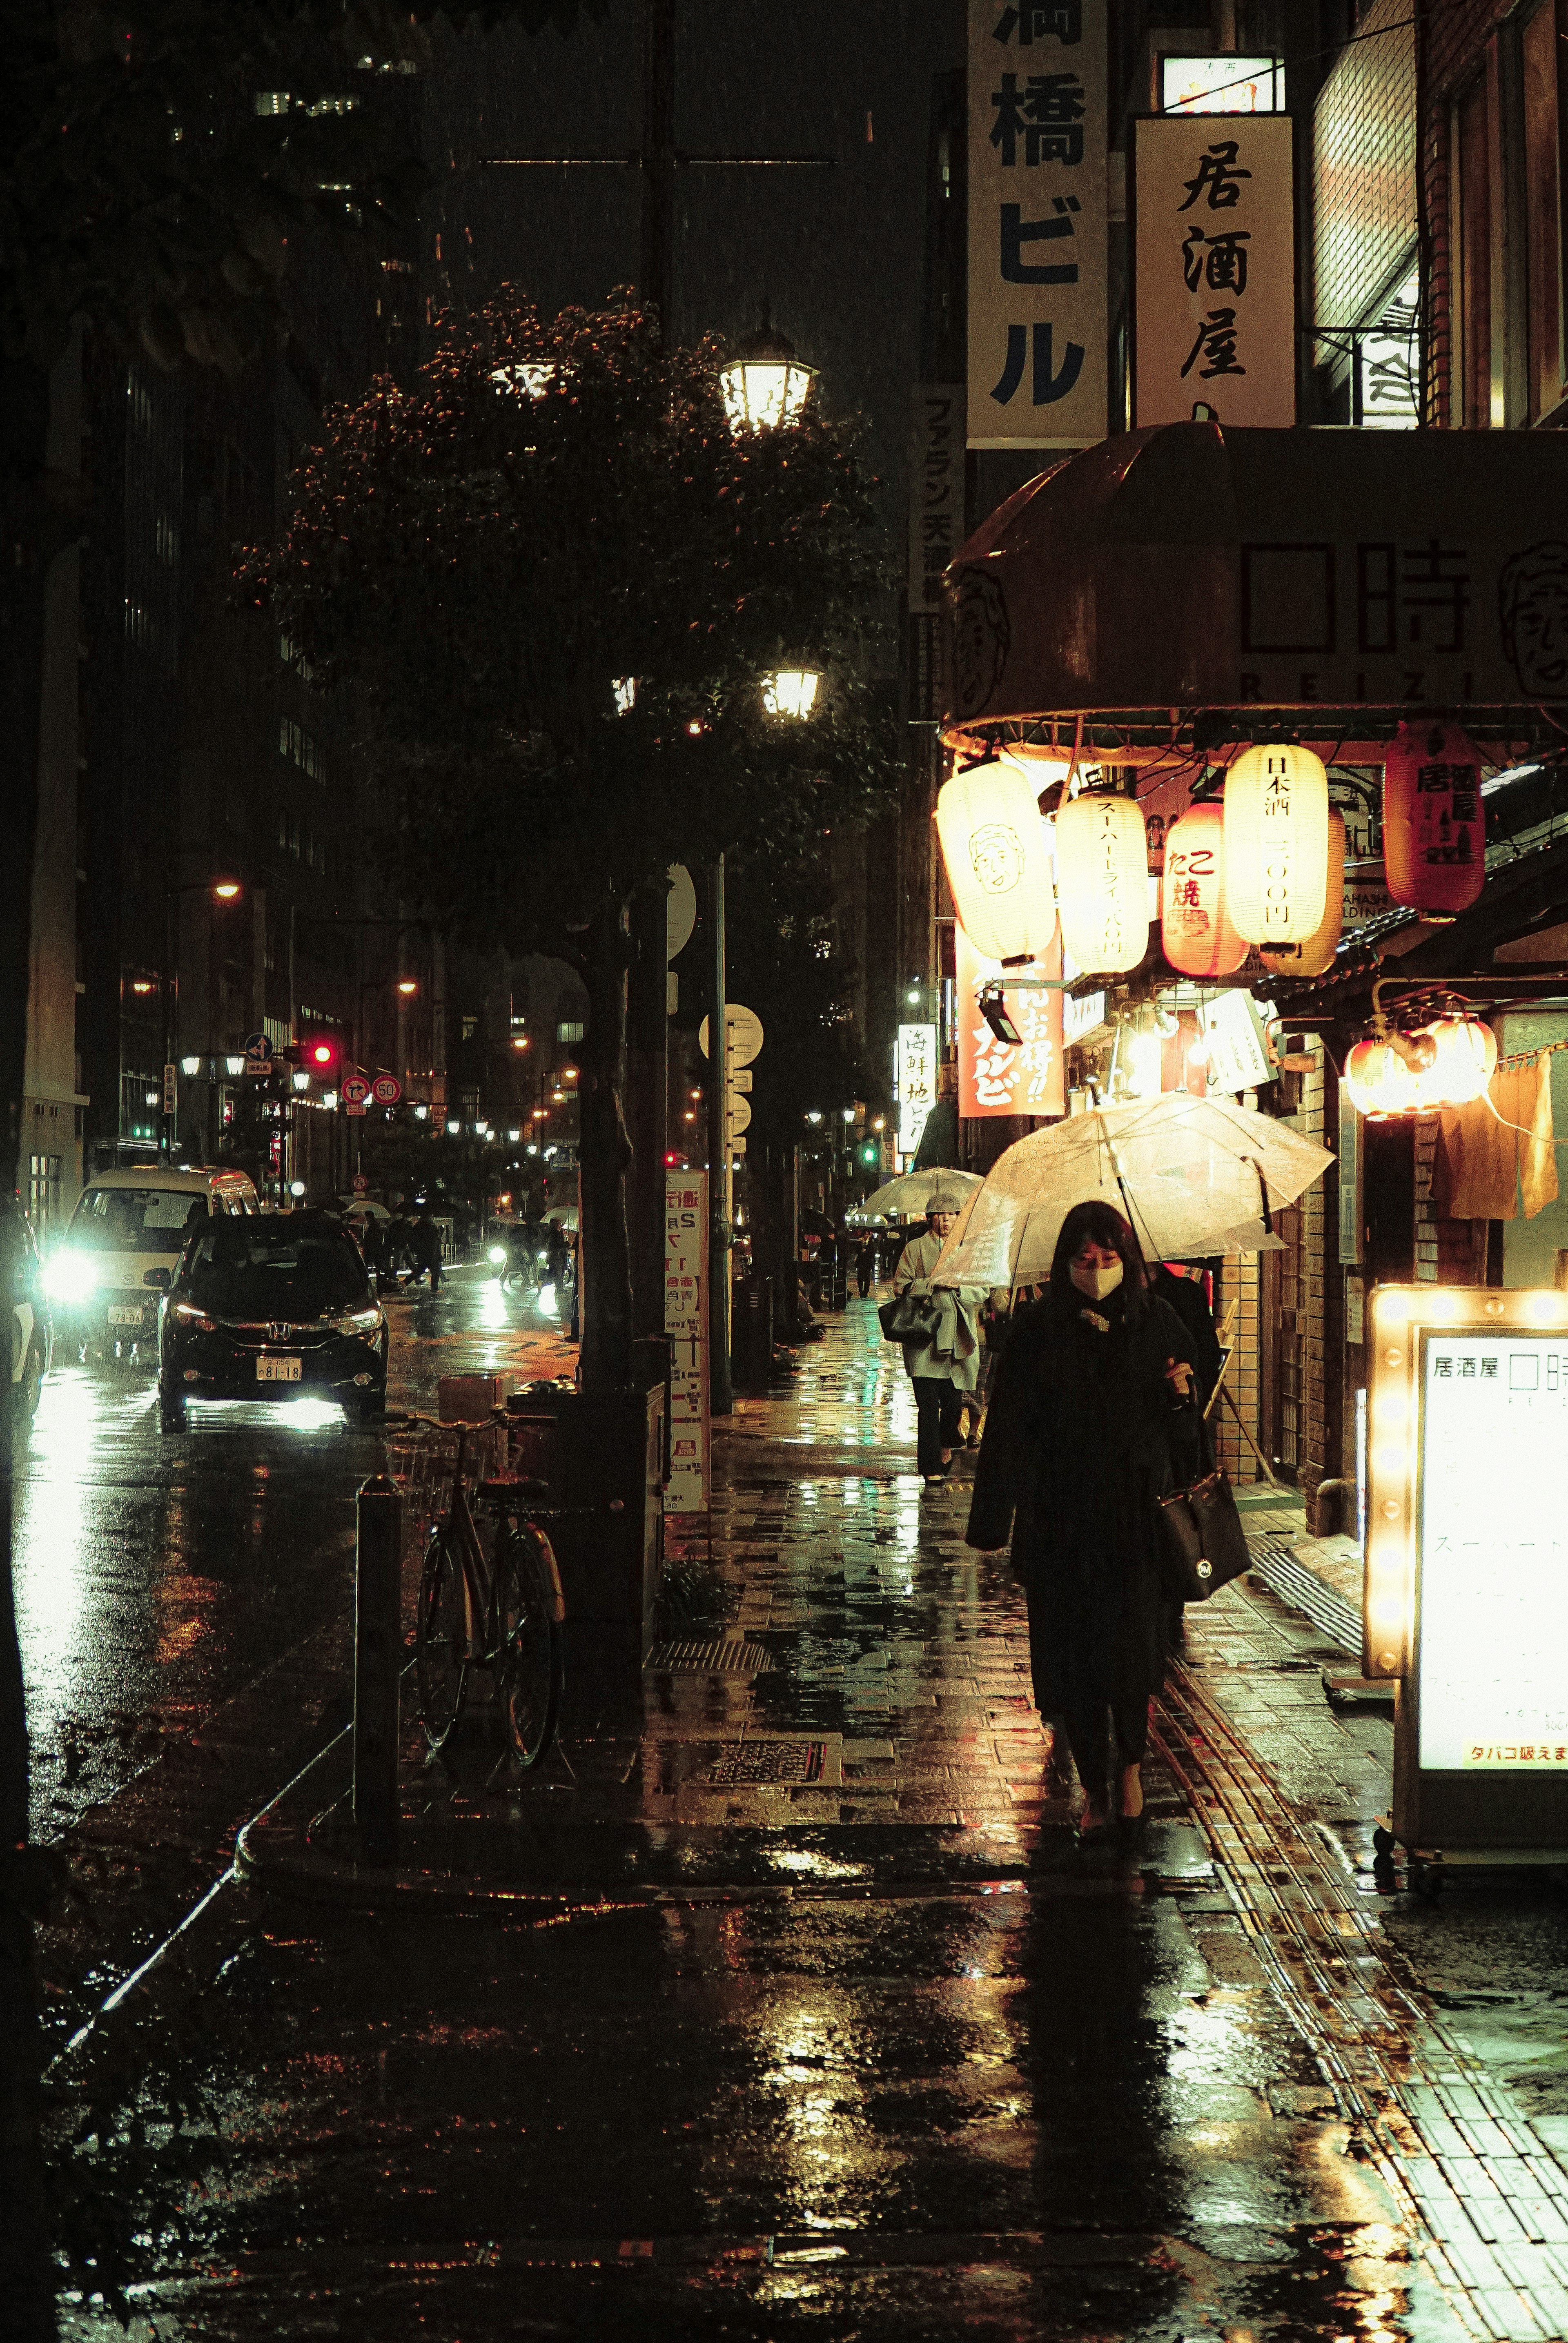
[378,1665]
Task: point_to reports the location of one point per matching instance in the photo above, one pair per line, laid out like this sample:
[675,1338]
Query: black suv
[278,1306]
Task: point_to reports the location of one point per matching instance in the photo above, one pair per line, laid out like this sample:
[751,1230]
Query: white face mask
[1095,1281]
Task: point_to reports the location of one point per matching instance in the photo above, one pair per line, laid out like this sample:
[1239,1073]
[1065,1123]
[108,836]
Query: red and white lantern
[1434,830]
[1198,933]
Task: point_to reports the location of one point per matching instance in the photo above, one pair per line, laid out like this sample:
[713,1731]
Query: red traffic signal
[319,1053]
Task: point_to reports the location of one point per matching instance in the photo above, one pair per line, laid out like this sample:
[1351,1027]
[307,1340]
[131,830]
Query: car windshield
[274,1269]
[137,1220]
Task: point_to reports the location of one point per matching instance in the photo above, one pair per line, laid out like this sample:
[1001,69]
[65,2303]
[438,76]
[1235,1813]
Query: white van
[102,1276]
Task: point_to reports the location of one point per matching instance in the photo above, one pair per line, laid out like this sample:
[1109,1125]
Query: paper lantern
[1317,953]
[1194,919]
[1102,882]
[1277,843]
[1434,829]
[998,864]
[1466,1059]
[1379,1080]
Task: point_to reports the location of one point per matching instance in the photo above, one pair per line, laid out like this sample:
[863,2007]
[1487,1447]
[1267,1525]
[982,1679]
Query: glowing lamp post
[1199,936]
[766,383]
[999,871]
[1102,882]
[1434,830]
[1277,843]
[791,692]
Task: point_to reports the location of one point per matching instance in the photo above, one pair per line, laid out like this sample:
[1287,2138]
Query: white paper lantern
[1102,882]
[1277,843]
[999,867]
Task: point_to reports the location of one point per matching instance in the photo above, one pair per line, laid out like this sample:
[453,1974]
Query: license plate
[277,1370]
[121,1317]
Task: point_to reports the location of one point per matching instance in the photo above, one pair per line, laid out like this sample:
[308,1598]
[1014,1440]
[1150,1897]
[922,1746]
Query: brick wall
[1363,167]
[1238,1282]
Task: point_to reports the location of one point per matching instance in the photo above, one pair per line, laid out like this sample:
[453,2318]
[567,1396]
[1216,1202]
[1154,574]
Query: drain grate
[729,1656]
[736,1762]
[1280,1569]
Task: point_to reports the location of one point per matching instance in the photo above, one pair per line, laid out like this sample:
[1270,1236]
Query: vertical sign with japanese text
[686,1323]
[1037,236]
[917,1084]
[1003,1078]
[1214,268]
[936,489]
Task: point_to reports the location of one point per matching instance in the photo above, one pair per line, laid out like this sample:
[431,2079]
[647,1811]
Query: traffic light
[871,1152]
[318,1054]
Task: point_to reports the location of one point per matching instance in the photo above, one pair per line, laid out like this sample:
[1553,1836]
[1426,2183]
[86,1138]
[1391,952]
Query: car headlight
[498,1253]
[357,1322]
[198,1320]
[70,1277]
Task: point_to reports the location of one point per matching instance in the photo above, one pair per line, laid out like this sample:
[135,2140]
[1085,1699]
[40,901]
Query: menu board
[1493,1686]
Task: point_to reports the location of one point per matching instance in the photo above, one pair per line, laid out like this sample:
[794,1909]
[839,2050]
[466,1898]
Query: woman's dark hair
[1103,1225]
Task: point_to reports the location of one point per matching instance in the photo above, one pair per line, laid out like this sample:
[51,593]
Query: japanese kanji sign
[936,489]
[1036,253]
[916,1082]
[686,1323]
[999,1078]
[1214,268]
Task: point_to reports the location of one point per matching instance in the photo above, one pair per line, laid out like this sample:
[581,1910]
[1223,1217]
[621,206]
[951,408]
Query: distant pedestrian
[372,1242]
[945,1367]
[1087,1428]
[865,1263]
[426,1248]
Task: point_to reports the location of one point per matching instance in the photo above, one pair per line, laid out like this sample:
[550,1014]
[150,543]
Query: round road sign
[679,911]
[742,1034]
[355,1090]
[387,1090]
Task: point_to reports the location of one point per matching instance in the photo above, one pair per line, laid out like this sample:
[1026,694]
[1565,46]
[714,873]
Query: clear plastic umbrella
[1195,1176]
[913,1194]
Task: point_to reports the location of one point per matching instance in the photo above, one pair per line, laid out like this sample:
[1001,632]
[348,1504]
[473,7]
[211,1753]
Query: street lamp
[791,692]
[766,383]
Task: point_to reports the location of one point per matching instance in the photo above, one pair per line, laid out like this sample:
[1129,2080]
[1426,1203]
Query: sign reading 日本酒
[1036,233]
[1214,268]
[1003,1078]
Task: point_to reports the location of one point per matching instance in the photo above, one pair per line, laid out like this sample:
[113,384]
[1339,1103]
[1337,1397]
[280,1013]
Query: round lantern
[1317,953]
[1194,920]
[1434,830]
[1466,1059]
[1102,882]
[1380,1081]
[1277,843]
[998,864]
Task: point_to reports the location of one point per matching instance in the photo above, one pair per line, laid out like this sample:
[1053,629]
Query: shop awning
[1360,574]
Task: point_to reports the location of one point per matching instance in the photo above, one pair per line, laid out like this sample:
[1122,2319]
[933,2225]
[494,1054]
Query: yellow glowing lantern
[1382,1080]
[1466,1059]
[1198,935]
[1102,882]
[998,866]
[1277,843]
[1317,952]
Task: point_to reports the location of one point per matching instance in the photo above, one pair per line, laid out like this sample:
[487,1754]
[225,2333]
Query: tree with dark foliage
[561,582]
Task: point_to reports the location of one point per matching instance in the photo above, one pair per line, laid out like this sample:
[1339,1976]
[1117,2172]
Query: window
[1473,259]
[44,1192]
[1540,49]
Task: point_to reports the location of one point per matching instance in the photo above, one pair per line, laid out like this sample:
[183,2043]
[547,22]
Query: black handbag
[910,1317]
[1202,1545]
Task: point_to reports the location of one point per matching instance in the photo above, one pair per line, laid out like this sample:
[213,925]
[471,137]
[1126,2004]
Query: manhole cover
[735,1762]
[729,1656]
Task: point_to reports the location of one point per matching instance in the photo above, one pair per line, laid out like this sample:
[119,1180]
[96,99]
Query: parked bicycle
[501,1610]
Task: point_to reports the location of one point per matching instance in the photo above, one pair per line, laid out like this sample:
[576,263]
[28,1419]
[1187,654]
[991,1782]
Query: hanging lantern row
[1447,1063]
[1264,865]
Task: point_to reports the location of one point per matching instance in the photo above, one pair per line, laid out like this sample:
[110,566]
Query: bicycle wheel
[441,1640]
[529,1671]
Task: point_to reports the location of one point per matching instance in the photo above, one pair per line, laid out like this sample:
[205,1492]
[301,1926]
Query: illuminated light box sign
[1466,1587]
[1221,85]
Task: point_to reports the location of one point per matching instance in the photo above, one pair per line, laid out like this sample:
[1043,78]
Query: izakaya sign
[998,1077]
[1036,246]
[1214,270]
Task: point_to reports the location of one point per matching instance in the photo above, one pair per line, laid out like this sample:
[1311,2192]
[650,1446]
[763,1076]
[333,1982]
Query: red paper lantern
[1198,935]
[1434,829]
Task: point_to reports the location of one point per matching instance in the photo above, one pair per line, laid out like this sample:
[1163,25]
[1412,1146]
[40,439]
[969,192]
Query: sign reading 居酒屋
[1037,231]
[1006,1077]
[1214,268]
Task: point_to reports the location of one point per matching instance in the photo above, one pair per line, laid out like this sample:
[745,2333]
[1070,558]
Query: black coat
[1081,1440]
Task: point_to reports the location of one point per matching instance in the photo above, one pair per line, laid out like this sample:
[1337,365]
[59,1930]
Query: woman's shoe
[935,1480]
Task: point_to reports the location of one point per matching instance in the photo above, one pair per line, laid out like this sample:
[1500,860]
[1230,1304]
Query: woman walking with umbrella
[943,1364]
[1089,1400]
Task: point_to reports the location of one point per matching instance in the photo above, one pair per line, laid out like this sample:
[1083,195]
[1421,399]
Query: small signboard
[686,1323]
[257,1054]
[361,1184]
[387,1090]
[1466,1588]
[742,1035]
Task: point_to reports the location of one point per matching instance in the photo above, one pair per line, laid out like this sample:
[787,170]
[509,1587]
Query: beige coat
[954,1352]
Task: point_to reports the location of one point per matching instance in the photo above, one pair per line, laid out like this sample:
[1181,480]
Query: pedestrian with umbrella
[1077,1450]
[942,1344]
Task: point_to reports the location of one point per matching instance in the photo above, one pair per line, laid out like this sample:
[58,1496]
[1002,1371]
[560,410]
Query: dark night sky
[837,252]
